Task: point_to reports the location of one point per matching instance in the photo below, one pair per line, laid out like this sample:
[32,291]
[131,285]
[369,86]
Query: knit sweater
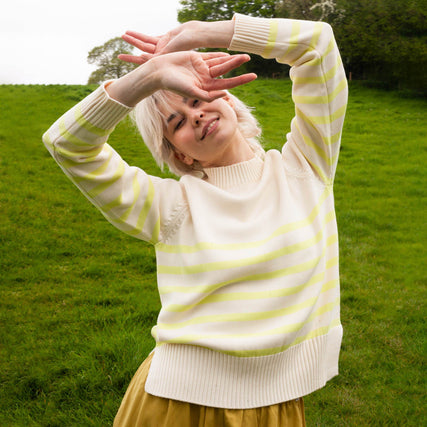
[247,259]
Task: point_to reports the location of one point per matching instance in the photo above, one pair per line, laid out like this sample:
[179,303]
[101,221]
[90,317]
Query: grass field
[78,298]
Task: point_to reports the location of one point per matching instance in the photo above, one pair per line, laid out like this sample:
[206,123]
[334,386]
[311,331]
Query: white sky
[47,41]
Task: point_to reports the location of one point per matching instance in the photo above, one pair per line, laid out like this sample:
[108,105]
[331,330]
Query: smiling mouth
[208,128]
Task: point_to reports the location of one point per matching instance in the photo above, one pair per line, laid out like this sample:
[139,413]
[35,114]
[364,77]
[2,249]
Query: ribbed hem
[102,111]
[205,377]
[250,34]
[233,175]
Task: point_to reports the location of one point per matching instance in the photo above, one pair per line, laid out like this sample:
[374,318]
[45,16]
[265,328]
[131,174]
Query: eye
[195,103]
[179,124]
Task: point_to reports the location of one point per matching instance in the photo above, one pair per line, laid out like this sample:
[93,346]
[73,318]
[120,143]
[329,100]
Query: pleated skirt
[140,409]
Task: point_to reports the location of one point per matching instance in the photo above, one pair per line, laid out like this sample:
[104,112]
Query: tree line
[383,42]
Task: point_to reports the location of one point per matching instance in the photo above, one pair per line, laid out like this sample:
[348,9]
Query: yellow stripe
[329,217]
[293,42]
[104,185]
[209,289]
[155,233]
[68,136]
[245,296]
[325,178]
[79,158]
[47,139]
[289,328]
[285,329]
[326,99]
[113,204]
[239,317]
[80,119]
[327,140]
[329,49]
[91,176]
[258,259]
[298,268]
[324,330]
[317,31]
[274,27]
[333,261]
[324,120]
[136,188]
[162,247]
[248,296]
[318,60]
[145,209]
[322,79]
[310,143]
[84,156]
[212,297]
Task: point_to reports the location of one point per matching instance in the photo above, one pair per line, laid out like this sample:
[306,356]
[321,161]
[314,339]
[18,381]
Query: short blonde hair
[150,116]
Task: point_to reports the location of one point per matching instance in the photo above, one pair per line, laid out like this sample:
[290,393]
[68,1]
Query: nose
[197,118]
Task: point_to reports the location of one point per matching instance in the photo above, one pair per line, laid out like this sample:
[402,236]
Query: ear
[187,160]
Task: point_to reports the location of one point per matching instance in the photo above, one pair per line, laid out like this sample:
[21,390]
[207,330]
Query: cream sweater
[247,259]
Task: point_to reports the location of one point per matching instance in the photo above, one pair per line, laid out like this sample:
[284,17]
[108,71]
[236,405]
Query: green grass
[78,298]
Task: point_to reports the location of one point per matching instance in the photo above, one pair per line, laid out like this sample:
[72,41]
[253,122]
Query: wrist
[136,85]
[217,34]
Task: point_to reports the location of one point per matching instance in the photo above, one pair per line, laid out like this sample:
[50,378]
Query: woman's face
[206,132]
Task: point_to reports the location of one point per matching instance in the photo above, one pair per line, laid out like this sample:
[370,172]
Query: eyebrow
[170,118]
[173,115]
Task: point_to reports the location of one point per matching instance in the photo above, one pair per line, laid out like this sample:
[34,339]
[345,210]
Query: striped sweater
[247,259]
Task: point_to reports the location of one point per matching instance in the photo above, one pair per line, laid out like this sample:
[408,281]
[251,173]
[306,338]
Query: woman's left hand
[191,35]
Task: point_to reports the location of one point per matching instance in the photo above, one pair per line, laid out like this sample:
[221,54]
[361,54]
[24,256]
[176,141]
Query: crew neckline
[237,174]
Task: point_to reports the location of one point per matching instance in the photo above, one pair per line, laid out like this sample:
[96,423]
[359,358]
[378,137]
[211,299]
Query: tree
[313,10]
[385,41]
[109,66]
[215,10]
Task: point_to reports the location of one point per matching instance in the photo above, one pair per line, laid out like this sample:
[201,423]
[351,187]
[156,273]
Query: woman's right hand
[195,75]
[190,74]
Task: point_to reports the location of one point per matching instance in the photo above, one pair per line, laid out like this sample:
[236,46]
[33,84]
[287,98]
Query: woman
[246,241]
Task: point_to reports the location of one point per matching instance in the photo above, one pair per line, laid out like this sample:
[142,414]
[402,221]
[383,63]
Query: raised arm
[319,88]
[319,84]
[129,198]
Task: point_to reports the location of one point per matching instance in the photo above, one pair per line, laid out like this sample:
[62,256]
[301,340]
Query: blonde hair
[150,117]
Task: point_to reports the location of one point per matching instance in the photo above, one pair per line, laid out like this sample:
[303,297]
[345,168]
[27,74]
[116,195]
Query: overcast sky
[47,41]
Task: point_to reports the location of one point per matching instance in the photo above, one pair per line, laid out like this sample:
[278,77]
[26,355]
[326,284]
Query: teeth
[209,128]
[211,125]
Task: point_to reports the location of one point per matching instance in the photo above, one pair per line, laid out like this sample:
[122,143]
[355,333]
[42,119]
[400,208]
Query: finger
[225,65]
[208,96]
[212,56]
[143,37]
[143,46]
[141,59]
[218,61]
[222,84]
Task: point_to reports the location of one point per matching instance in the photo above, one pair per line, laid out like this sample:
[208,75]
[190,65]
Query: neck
[235,152]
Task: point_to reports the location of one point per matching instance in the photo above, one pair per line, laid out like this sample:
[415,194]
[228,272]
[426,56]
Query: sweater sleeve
[319,86]
[130,199]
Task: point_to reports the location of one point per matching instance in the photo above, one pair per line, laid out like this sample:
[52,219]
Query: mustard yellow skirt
[140,409]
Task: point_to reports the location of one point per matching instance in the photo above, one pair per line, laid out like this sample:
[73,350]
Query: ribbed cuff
[102,111]
[250,34]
